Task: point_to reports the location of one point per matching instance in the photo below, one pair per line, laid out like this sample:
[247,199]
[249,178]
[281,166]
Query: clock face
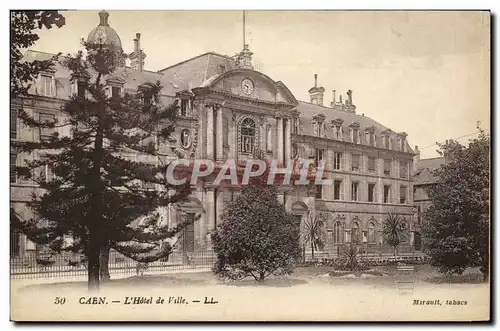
[247,86]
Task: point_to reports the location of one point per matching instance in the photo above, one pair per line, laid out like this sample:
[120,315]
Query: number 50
[59,301]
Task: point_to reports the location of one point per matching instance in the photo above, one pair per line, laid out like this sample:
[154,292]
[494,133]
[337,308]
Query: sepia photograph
[250,165]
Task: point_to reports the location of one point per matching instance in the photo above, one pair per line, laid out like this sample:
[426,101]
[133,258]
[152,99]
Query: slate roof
[425,167]
[309,110]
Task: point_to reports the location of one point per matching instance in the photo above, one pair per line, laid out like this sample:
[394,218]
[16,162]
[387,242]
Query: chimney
[340,98]
[416,158]
[332,104]
[316,92]
[138,56]
[349,98]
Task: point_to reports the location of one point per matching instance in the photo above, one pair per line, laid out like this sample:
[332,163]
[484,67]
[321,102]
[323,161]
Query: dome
[105,34]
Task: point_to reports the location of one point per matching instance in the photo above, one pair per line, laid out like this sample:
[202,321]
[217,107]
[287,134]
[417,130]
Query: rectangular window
[356,162]
[371,192]
[387,167]
[402,144]
[372,164]
[387,193]
[81,89]
[336,189]
[355,138]
[45,133]
[354,191]
[371,139]
[337,161]
[387,142]
[318,158]
[403,169]
[46,87]
[319,191]
[13,171]
[115,91]
[13,123]
[402,194]
[184,107]
[46,173]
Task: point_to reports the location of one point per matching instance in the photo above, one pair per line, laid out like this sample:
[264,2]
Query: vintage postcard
[250,165]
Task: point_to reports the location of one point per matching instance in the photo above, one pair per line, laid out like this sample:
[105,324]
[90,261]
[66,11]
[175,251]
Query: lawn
[307,294]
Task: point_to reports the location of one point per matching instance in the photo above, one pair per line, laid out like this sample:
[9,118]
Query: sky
[422,72]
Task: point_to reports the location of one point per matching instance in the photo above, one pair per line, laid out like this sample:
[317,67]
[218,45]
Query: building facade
[423,180]
[229,111]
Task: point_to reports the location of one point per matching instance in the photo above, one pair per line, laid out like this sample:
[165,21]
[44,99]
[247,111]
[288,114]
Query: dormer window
[46,85]
[319,125]
[116,91]
[370,136]
[184,107]
[338,132]
[355,133]
[386,140]
[402,142]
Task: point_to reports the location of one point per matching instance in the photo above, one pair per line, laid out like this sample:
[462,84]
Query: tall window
[387,141]
[371,232]
[338,133]
[81,87]
[45,133]
[355,233]
[403,169]
[387,167]
[46,87]
[247,135]
[319,191]
[338,233]
[320,129]
[402,144]
[269,138]
[13,123]
[184,107]
[116,91]
[13,171]
[372,164]
[354,191]
[356,162]
[371,192]
[318,157]
[336,189]
[387,193]
[337,161]
[402,194]
[355,136]
[370,138]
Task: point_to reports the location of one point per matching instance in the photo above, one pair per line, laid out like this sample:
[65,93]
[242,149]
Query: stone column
[219,134]
[288,141]
[279,125]
[209,216]
[210,132]
[219,197]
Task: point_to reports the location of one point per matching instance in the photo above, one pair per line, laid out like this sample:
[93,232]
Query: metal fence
[63,265]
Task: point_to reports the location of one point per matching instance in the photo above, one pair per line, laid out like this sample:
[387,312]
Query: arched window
[338,233]
[269,138]
[371,233]
[247,135]
[355,233]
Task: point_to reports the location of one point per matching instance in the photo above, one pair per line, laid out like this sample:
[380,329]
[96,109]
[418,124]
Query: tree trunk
[261,277]
[104,263]
[395,250]
[93,266]
[312,250]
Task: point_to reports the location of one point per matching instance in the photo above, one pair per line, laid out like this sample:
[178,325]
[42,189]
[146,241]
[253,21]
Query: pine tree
[456,230]
[97,194]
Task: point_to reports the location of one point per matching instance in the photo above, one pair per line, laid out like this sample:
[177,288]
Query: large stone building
[228,110]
